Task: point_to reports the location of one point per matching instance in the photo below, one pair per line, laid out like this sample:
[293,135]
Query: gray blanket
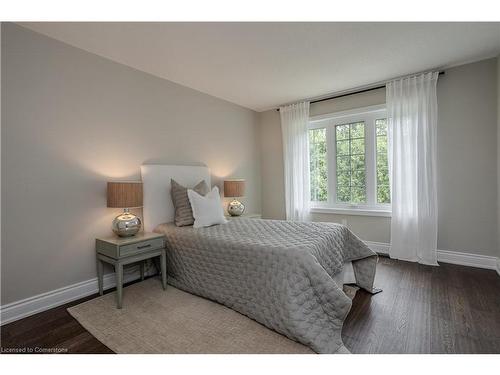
[279,273]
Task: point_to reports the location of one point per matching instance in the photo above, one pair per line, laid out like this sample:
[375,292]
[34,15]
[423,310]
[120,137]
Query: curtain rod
[353,92]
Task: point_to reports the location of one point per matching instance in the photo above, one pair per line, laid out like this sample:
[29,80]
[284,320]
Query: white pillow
[207,210]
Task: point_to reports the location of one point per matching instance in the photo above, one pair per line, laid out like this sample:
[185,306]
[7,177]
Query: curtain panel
[412,117]
[294,130]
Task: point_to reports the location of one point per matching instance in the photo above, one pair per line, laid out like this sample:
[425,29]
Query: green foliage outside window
[317,165]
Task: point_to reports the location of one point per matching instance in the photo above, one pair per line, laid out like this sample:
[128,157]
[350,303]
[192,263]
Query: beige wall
[72,121]
[467,182]
[467,171]
[498,151]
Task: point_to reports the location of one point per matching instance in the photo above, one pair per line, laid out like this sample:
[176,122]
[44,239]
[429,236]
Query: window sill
[350,211]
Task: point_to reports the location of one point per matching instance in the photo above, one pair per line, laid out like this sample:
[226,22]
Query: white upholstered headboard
[158,207]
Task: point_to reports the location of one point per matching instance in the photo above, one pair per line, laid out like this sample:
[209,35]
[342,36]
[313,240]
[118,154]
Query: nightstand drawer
[136,248]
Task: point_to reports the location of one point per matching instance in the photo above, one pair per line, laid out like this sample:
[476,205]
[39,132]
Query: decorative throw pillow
[207,210]
[183,213]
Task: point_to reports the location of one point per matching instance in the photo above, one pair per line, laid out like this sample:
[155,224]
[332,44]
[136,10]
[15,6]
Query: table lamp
[234,188]
[125,195]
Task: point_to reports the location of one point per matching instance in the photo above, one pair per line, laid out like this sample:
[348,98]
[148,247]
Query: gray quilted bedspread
[278,273]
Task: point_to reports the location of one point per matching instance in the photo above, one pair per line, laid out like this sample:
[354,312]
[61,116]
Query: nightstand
[245,216]
[120,251]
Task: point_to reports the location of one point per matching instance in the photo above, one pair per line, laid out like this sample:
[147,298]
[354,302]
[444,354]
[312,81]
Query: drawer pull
[144,246]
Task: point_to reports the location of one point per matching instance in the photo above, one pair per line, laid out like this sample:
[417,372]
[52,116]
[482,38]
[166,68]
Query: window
[348,161]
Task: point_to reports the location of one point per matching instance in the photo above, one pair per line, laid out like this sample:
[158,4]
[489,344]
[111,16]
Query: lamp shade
[125,194]
[234,188]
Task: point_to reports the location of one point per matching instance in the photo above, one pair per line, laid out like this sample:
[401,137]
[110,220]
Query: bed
[285,275]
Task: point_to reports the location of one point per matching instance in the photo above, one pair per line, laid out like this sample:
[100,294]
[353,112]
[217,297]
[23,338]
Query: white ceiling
[263,65]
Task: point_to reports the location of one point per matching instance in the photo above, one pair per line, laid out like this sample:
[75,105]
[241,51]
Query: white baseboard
[467,259]
[446,256]
[41,302]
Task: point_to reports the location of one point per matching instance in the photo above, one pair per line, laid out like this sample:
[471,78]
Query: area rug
[156,321]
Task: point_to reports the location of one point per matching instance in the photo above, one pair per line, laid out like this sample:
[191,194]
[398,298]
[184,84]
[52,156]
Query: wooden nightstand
[245,216]
[120,251]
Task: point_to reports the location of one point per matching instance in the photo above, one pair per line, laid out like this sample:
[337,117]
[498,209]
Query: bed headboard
[158,207]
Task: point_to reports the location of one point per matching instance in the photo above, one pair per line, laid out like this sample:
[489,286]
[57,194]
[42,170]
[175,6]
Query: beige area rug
[176,322]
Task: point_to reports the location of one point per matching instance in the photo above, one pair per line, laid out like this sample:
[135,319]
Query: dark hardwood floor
[423,309]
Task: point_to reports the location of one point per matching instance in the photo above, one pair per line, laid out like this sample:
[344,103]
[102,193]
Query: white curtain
[294,129]
[412,119]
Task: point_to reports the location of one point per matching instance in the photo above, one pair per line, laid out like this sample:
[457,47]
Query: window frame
[329,121]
